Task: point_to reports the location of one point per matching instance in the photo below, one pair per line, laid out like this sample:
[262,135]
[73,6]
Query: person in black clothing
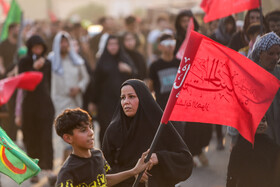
[97,41]
[86,166]
[37,107]
[225,30]
[181,25]
[255,165]
[240,39]
[162,72]
[132,130]
[8,48]
[129,44]
[113,68]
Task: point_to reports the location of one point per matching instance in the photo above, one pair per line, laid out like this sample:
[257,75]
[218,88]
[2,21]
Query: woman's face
[254,17]
[113,46]
[129,42]
[184,22]
[229,27]
[269,58]
[129,101]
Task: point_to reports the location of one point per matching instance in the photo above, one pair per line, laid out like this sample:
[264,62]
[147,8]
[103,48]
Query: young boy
[86,166]
[163,71]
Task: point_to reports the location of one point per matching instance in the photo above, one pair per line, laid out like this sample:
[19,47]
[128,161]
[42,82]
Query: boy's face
[167,46]
[274,26]
[82,138]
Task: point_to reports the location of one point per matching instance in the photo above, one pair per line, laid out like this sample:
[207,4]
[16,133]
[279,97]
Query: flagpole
[152,148]
[261,18]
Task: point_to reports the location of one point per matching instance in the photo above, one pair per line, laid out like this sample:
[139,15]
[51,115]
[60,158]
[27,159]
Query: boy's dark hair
[165,36]
[272,16]
[130,20]
[71,119]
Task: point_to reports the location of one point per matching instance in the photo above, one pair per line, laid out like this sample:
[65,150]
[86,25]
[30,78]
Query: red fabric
[5,7]
[215,9]
[221,87]
[27,81]
[181,51]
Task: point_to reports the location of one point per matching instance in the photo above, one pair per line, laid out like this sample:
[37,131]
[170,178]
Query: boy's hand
[141,165]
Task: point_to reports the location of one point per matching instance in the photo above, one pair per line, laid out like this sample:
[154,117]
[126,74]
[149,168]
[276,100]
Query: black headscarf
[221,35]
[36,40]
[137,58]
[107,81]
[120,56]
[180,31]
[127,138]
[107,71]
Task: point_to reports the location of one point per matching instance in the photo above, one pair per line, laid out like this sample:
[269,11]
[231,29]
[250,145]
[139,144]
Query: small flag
[26,80]
[14,162]
[14,16]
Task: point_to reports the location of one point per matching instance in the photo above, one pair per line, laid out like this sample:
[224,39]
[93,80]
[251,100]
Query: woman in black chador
[181,26]
[113,68]
[129,44]
[131,132]
[37,106]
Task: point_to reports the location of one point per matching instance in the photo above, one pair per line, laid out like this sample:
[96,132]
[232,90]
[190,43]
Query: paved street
[213,175]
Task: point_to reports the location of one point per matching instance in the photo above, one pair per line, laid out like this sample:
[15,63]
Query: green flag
[14,162]
[13,16]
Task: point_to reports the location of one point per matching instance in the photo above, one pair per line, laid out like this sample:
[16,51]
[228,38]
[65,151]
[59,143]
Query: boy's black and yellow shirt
[84,172]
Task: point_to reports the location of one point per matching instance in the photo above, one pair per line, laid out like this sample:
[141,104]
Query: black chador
[127,138]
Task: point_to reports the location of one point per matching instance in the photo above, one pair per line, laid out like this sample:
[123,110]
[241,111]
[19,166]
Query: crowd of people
[122,77]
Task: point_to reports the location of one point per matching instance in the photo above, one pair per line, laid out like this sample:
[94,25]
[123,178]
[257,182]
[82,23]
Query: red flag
[5,7]
[181,51]
[216,9]
[26,80]
[215,84]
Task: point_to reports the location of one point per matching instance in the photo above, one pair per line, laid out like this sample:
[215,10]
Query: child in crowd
[255,165]
[86,165]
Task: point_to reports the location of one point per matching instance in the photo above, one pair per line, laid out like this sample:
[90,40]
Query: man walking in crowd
[69,77]
[8,49]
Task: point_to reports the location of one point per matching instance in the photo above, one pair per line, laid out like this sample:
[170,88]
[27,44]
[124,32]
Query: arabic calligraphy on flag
[221,87]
